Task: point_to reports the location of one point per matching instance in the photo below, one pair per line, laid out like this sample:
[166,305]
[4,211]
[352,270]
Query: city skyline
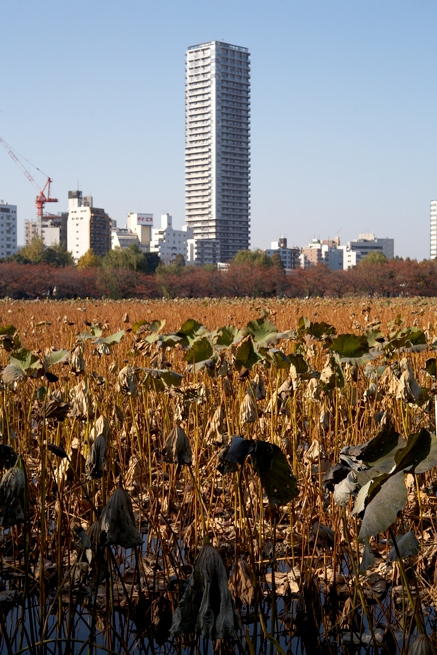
[342,121]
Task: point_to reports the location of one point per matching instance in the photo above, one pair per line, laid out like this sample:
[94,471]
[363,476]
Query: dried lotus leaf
[117,523]
[177,449]
[207,607]
[12,488]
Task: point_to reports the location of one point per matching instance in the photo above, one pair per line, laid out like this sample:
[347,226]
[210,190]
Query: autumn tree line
[37,271]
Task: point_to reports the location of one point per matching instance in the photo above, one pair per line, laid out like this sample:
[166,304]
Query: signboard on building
[145,219]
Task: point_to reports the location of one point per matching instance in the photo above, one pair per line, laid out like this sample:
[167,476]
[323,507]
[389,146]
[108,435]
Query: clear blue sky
[344,107]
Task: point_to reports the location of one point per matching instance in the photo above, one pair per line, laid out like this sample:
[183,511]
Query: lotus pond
[218,477]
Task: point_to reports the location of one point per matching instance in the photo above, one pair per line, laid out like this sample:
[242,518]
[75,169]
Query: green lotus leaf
[430,460]
[303,324]
[153,326]
[416,341]
[170,378]
[191,327]
[407,546]
[199,351]
[245,354]
[276,358]
[190,331]
[389,498]
[262,331]
[276,476]
[94,333]
[9,330]
[226,336]
[136,326]
[386,442]
[21,364]
[374,337]
[396,322]
[12,374]
[317,330]
[300,367]
[417,449]
[55,357]
[351,347]
[168,340]
[431,367]
[113,338]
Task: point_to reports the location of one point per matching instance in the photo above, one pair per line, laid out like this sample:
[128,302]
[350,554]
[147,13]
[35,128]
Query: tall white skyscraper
[217,149]
[433,230]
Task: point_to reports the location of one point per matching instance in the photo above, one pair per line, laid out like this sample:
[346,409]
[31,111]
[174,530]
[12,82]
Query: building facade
[217,149]
[138,232]
[8,229]
[367,243]
[289,256]
[88,227]
[433,230]
[168,242]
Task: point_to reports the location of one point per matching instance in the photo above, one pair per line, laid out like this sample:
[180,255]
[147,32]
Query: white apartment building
[217,149]
[433,230]
[142,225]
[289,256]
[88,227]
[168,242]
[8,229]
[138,232]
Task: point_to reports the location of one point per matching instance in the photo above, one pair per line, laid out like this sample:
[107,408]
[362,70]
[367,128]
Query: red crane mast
[42,197]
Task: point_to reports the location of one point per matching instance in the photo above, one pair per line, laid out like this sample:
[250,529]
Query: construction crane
[43,194]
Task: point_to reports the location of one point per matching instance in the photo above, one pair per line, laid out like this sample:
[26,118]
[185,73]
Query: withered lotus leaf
[346,488]
[248,412]
[207,607]
[127,381]
[81,403]
[96,461]
[12,489]
[215,432]
[277,479]
[177,449]
[101,426]
[241,582]
[77,362]
[117,523]
[422,645]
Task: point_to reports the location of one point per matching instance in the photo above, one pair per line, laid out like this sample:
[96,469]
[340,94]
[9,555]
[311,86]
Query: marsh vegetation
[218,476]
